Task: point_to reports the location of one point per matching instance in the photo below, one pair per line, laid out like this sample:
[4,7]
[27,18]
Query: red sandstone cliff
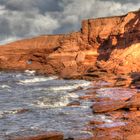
[110,44]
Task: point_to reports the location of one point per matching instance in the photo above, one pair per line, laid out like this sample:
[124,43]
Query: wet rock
[96,122]
[109,131]
[107,106]
[77,89]
[74,103]
[124,125]
[115,93]
[44,136]
[108,136]
[84,138]
[86,97]
[110,99]
[20,111]
[108,126]
[15,111]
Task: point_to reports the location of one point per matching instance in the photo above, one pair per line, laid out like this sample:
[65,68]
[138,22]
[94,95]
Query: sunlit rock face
[110,44]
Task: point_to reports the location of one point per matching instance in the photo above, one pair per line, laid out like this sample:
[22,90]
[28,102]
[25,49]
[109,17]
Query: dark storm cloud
[41,5]
[27,18]
[124,1]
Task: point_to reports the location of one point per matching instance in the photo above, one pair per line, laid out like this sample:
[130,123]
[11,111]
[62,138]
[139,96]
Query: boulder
[80,57]
[107,106]
[110,99]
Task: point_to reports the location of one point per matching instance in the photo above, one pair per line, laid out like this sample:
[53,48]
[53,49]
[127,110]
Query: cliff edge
[109,44]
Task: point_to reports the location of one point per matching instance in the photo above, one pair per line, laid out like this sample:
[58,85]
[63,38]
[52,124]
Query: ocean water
[31,104]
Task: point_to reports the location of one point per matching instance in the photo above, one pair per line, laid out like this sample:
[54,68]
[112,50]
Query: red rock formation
[43,136]
[111,44]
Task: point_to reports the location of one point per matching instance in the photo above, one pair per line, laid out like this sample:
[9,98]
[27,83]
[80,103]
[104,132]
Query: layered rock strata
[110,44]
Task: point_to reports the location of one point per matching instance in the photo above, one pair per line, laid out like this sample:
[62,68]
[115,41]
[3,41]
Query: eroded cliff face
[109,44]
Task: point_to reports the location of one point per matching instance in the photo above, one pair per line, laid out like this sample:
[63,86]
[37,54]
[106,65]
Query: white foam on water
[50,104]
[37,79]
[103,118]
[18,75]
[30,72]
[55,105]
[62,101]
[111,125]
[108,121]
[5,86]
[1,114]
[12,112]
[73,95]
[84,85]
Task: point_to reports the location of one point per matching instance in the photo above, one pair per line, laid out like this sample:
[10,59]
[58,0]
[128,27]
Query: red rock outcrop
[43,136]
[110,44]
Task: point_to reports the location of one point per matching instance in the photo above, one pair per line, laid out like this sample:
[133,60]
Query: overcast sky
[26,18]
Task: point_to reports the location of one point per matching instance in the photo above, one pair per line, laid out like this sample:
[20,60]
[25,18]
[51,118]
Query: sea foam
[84,85]
[37,79]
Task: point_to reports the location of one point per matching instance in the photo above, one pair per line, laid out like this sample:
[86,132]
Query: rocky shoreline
[119,102]
[106,49]
[116,111]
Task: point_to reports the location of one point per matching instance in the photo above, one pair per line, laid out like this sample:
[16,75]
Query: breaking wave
[84,85]
[30,72]
[4,86]
[44,99]
[37,79]
[54,102]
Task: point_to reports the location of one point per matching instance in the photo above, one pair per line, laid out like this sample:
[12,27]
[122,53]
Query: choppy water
[30,104]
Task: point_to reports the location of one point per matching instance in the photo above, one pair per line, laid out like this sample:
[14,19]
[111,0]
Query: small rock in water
[17,111]
[74,103]
[86,97]
[96,122]
[20,111]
